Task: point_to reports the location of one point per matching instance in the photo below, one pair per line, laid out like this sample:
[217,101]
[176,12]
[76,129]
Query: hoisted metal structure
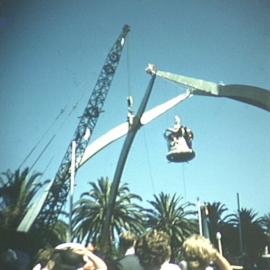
[46,211]
[179,142]
[178,146]
[252,95]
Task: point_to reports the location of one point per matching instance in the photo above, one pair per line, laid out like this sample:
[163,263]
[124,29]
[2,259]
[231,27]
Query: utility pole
[218,236]
[199,216]
[240,226]
[72,185]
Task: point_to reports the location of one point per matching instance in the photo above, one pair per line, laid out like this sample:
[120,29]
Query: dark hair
[66,259]
[8,260]
[153,249]
[43,256]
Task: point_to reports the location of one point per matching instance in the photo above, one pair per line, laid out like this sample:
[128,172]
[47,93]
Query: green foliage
[253,236]
[170,215]
[166,213]
[266,224]
[17,189]
[89,212]
[216,219]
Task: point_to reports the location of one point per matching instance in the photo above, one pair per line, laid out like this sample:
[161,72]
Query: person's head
[8,260]
[71,256]
[126,240]
[65,259]
[153,249]
[198,252]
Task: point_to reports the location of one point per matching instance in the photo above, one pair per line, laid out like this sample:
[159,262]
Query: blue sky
[51,53]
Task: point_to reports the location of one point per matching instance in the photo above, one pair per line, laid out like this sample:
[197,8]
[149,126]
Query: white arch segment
[122,129]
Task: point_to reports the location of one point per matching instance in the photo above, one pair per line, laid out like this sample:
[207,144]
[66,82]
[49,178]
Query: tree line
[245,234]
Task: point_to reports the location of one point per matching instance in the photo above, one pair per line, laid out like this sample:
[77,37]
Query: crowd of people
[153,252]
[150,251]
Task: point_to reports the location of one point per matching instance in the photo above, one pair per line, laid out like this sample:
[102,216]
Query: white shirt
[169,266]
[130,251]
[183,266]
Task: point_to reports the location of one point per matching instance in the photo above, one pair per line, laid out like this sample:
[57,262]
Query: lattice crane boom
[58,192]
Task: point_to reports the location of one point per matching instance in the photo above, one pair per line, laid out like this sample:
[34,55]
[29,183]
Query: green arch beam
[252,95]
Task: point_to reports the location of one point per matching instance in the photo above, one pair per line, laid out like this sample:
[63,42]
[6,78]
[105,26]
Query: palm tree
[17,189]
[57,234]
[253,237]
[266,227]
[169,215]
[216,219]
[266,224]
[89,212]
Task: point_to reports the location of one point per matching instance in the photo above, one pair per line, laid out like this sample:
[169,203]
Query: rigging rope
[57,118]
[42,137]
[42,152]
[48,165]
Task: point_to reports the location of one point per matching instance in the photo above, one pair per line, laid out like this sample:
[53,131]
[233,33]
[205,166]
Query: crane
[46,211]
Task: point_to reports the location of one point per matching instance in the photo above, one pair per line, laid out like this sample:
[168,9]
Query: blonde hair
[198,252]
[127,240]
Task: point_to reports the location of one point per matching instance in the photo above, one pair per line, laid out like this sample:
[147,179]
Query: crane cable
[128,68]
[184,181]
[129,90]
[149,163]
[182,168]
[144,134]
